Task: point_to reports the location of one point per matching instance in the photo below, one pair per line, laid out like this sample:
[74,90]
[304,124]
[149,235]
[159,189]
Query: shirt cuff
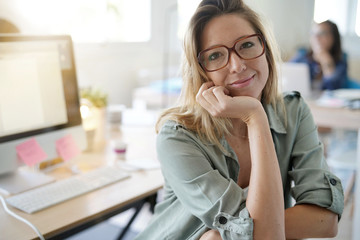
[337,204]
[231,227]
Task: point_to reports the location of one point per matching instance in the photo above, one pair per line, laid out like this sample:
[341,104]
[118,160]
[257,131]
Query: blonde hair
[189,112]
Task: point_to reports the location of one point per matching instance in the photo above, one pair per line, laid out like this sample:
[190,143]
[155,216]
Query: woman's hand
[326,62]
[211,235]
[216,100]
[323,57]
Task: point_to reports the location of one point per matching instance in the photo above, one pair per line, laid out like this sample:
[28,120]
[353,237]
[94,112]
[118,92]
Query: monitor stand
[22,180]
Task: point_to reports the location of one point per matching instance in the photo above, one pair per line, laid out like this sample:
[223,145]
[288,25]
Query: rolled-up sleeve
[235,228]
[313,183]
[203,191]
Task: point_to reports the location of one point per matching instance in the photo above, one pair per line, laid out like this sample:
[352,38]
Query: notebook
[295,77]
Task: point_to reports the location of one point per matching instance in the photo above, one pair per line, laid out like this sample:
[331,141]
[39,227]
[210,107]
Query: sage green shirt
[201,190]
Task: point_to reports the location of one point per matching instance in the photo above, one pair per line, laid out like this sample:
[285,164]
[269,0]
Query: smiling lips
[242,83]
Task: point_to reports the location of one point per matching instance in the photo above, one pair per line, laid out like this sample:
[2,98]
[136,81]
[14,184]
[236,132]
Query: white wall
[113,67]
[290,20]
[118,68]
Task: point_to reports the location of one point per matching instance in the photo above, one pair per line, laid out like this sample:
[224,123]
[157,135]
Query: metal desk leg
[152,200]
[138,209]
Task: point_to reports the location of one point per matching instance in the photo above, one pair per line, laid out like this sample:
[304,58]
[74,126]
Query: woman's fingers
[205,97]
[214,94]
[211,235]
[216,100]
[206,93]
[209,95]
[221,93]
[204,87]
[212,98]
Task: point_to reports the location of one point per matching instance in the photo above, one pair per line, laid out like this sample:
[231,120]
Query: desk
[94,206]
[344,119]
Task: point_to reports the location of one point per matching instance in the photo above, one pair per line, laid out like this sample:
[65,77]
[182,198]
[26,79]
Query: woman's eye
[214,56]
[247,45]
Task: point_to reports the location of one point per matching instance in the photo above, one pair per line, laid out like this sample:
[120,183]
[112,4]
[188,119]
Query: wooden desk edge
[51,231]
[342,118]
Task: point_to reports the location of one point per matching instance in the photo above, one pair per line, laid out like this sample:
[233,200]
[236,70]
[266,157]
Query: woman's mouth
[242,83]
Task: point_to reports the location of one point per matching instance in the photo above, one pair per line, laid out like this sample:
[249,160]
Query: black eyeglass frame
[232,49]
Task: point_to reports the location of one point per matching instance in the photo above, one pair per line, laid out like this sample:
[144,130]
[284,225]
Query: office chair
[352,84]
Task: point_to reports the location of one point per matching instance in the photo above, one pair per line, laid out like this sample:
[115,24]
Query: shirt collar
[229,151]
[274,121]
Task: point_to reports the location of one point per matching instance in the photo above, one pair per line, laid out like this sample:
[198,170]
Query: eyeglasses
[246,48]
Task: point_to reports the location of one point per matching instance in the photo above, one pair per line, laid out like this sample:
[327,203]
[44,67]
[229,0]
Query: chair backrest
[296,77]
[350,83]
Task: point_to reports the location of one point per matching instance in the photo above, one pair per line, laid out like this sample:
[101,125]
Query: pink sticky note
[67,148]
[30,152]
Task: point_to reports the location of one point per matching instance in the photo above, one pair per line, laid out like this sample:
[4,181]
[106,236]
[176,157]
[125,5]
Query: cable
[20,218]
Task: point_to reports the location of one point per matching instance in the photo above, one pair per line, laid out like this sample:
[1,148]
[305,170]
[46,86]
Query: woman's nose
[236,64]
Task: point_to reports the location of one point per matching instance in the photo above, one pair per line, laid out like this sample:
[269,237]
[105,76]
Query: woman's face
[321,38]
[240,77]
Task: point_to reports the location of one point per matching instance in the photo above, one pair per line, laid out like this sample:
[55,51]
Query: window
[186,9]
[345,13]
[90,20]
[357,25]
[334,10]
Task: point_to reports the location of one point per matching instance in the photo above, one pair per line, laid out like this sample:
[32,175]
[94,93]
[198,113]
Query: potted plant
[93,112]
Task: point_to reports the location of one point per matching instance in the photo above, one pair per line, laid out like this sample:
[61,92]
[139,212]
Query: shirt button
[222,220]
[333,181]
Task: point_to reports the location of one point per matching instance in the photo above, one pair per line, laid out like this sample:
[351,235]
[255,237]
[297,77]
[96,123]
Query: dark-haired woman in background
[327,62]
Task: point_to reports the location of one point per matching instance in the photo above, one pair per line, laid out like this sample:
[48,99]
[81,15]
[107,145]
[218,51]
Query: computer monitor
[39,96]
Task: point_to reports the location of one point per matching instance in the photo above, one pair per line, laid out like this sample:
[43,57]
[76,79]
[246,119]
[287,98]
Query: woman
[327,62]
[231,148]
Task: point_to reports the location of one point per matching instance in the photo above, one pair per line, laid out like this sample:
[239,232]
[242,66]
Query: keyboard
[53,193]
